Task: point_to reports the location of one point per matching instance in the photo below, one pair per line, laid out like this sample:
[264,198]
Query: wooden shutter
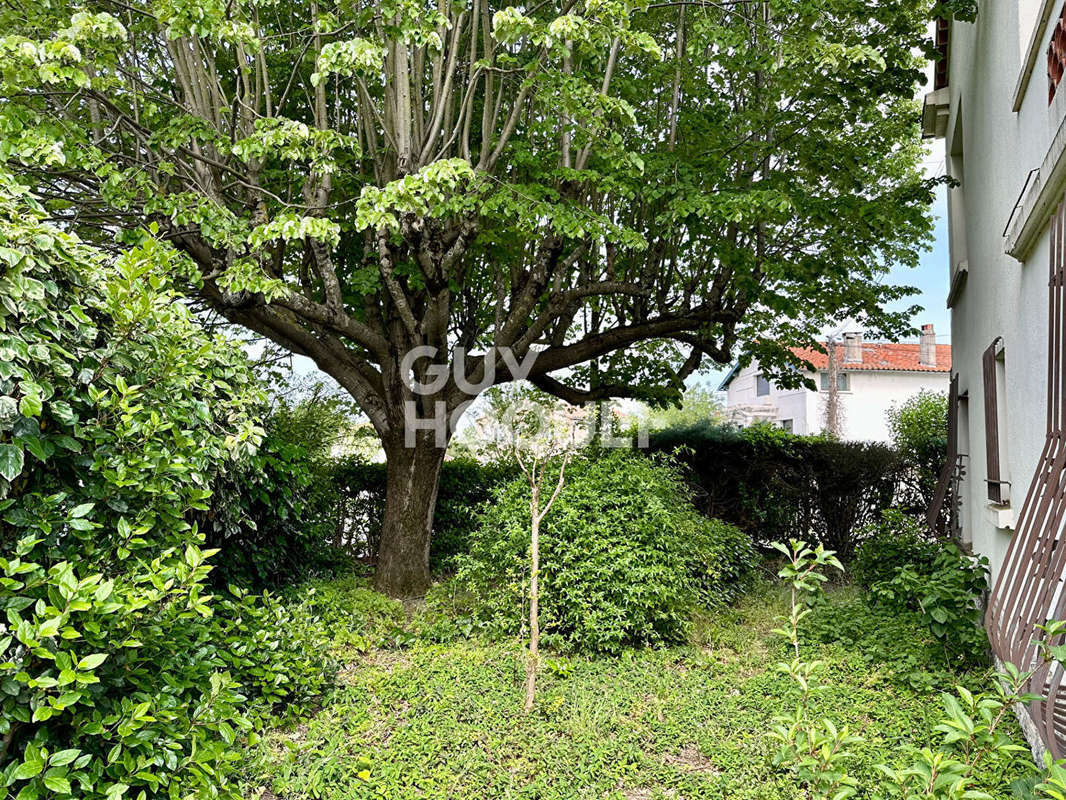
[992,466]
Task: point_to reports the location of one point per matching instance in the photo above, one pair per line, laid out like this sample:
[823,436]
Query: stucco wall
[991,151]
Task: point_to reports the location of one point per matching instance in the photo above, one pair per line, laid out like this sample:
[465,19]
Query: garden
[223,578]
[188,611]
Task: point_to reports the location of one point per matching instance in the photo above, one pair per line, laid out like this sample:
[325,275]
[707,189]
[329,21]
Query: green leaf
[92,661]
[11,461]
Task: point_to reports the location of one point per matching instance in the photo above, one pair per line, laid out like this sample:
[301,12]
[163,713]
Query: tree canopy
[625,188]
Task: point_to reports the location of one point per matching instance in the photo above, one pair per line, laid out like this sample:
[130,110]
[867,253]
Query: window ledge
[1001,516]
[1041,193]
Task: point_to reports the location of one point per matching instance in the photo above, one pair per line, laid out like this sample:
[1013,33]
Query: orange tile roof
[881,356]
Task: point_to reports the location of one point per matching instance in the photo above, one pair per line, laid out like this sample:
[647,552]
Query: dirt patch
[690,759]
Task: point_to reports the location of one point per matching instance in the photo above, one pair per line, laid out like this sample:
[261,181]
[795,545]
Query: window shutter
[992,466]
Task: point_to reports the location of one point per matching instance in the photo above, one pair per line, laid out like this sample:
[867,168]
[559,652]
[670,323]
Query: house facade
[998,104]
[872,377]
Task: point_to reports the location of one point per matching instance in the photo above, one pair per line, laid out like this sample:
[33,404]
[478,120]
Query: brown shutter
[992,470]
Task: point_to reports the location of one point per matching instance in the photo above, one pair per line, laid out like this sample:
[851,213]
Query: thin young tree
[542,438]
[612,192]
[535,468]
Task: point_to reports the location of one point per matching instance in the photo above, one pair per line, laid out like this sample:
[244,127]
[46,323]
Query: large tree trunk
[412,479]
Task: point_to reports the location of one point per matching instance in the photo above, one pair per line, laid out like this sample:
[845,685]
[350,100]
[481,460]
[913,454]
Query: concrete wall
[991,151]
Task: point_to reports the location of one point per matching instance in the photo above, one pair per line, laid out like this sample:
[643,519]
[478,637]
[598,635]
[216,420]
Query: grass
[433,720]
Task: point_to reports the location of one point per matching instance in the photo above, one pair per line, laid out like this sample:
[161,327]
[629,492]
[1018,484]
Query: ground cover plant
[441,719]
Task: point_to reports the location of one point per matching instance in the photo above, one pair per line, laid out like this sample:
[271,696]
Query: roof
[881,356]
[876,357]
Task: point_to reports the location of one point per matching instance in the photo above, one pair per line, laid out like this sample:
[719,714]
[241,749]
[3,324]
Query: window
[843,382]
[762,386]
[786,425]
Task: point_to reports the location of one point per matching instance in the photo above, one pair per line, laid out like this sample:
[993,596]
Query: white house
[998,103]
[871,378]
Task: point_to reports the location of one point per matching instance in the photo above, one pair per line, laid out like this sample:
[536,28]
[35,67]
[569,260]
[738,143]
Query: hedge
[776,485]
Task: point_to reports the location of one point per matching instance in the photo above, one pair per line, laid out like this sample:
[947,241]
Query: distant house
[871,378]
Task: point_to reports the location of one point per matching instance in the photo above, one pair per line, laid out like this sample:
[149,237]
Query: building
[998,104]
[871,378]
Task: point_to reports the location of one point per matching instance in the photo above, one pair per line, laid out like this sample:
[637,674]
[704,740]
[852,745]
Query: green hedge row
[777,486]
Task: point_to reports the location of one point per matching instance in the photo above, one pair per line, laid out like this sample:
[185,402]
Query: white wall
[864,407]
[991,152]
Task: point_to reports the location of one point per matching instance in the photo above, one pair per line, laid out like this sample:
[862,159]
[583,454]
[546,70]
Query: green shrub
[118,673]
[624,557]
[894,541]
[272,512]
[947,592]
[919,428]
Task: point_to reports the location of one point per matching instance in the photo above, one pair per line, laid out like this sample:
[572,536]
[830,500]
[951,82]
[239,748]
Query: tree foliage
[623,188]
[919,429]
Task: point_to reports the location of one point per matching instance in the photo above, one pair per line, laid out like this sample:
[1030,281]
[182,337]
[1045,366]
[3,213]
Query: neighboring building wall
[864,407]
[779,405]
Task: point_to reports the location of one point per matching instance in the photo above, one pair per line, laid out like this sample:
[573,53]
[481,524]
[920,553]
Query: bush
[624,556]
[774,484]
[115,408]
[272,512]
[893,542]
[919,428]
[904,570]
[947,592]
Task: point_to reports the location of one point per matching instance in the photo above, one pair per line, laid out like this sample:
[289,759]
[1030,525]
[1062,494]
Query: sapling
[815,749]
[539,440]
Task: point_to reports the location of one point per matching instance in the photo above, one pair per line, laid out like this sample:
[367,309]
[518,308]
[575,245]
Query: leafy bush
[947,592]
[624,557]
[272,512]
[894,541]
[115,408]
[773,484]
[904,569]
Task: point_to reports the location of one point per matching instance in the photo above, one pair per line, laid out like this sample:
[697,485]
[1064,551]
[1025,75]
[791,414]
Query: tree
[919,429]
[697,405]
[538,440]
[609,192]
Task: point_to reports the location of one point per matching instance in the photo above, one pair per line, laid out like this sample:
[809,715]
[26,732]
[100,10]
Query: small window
[786,425]
[843,382]
[762,386]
